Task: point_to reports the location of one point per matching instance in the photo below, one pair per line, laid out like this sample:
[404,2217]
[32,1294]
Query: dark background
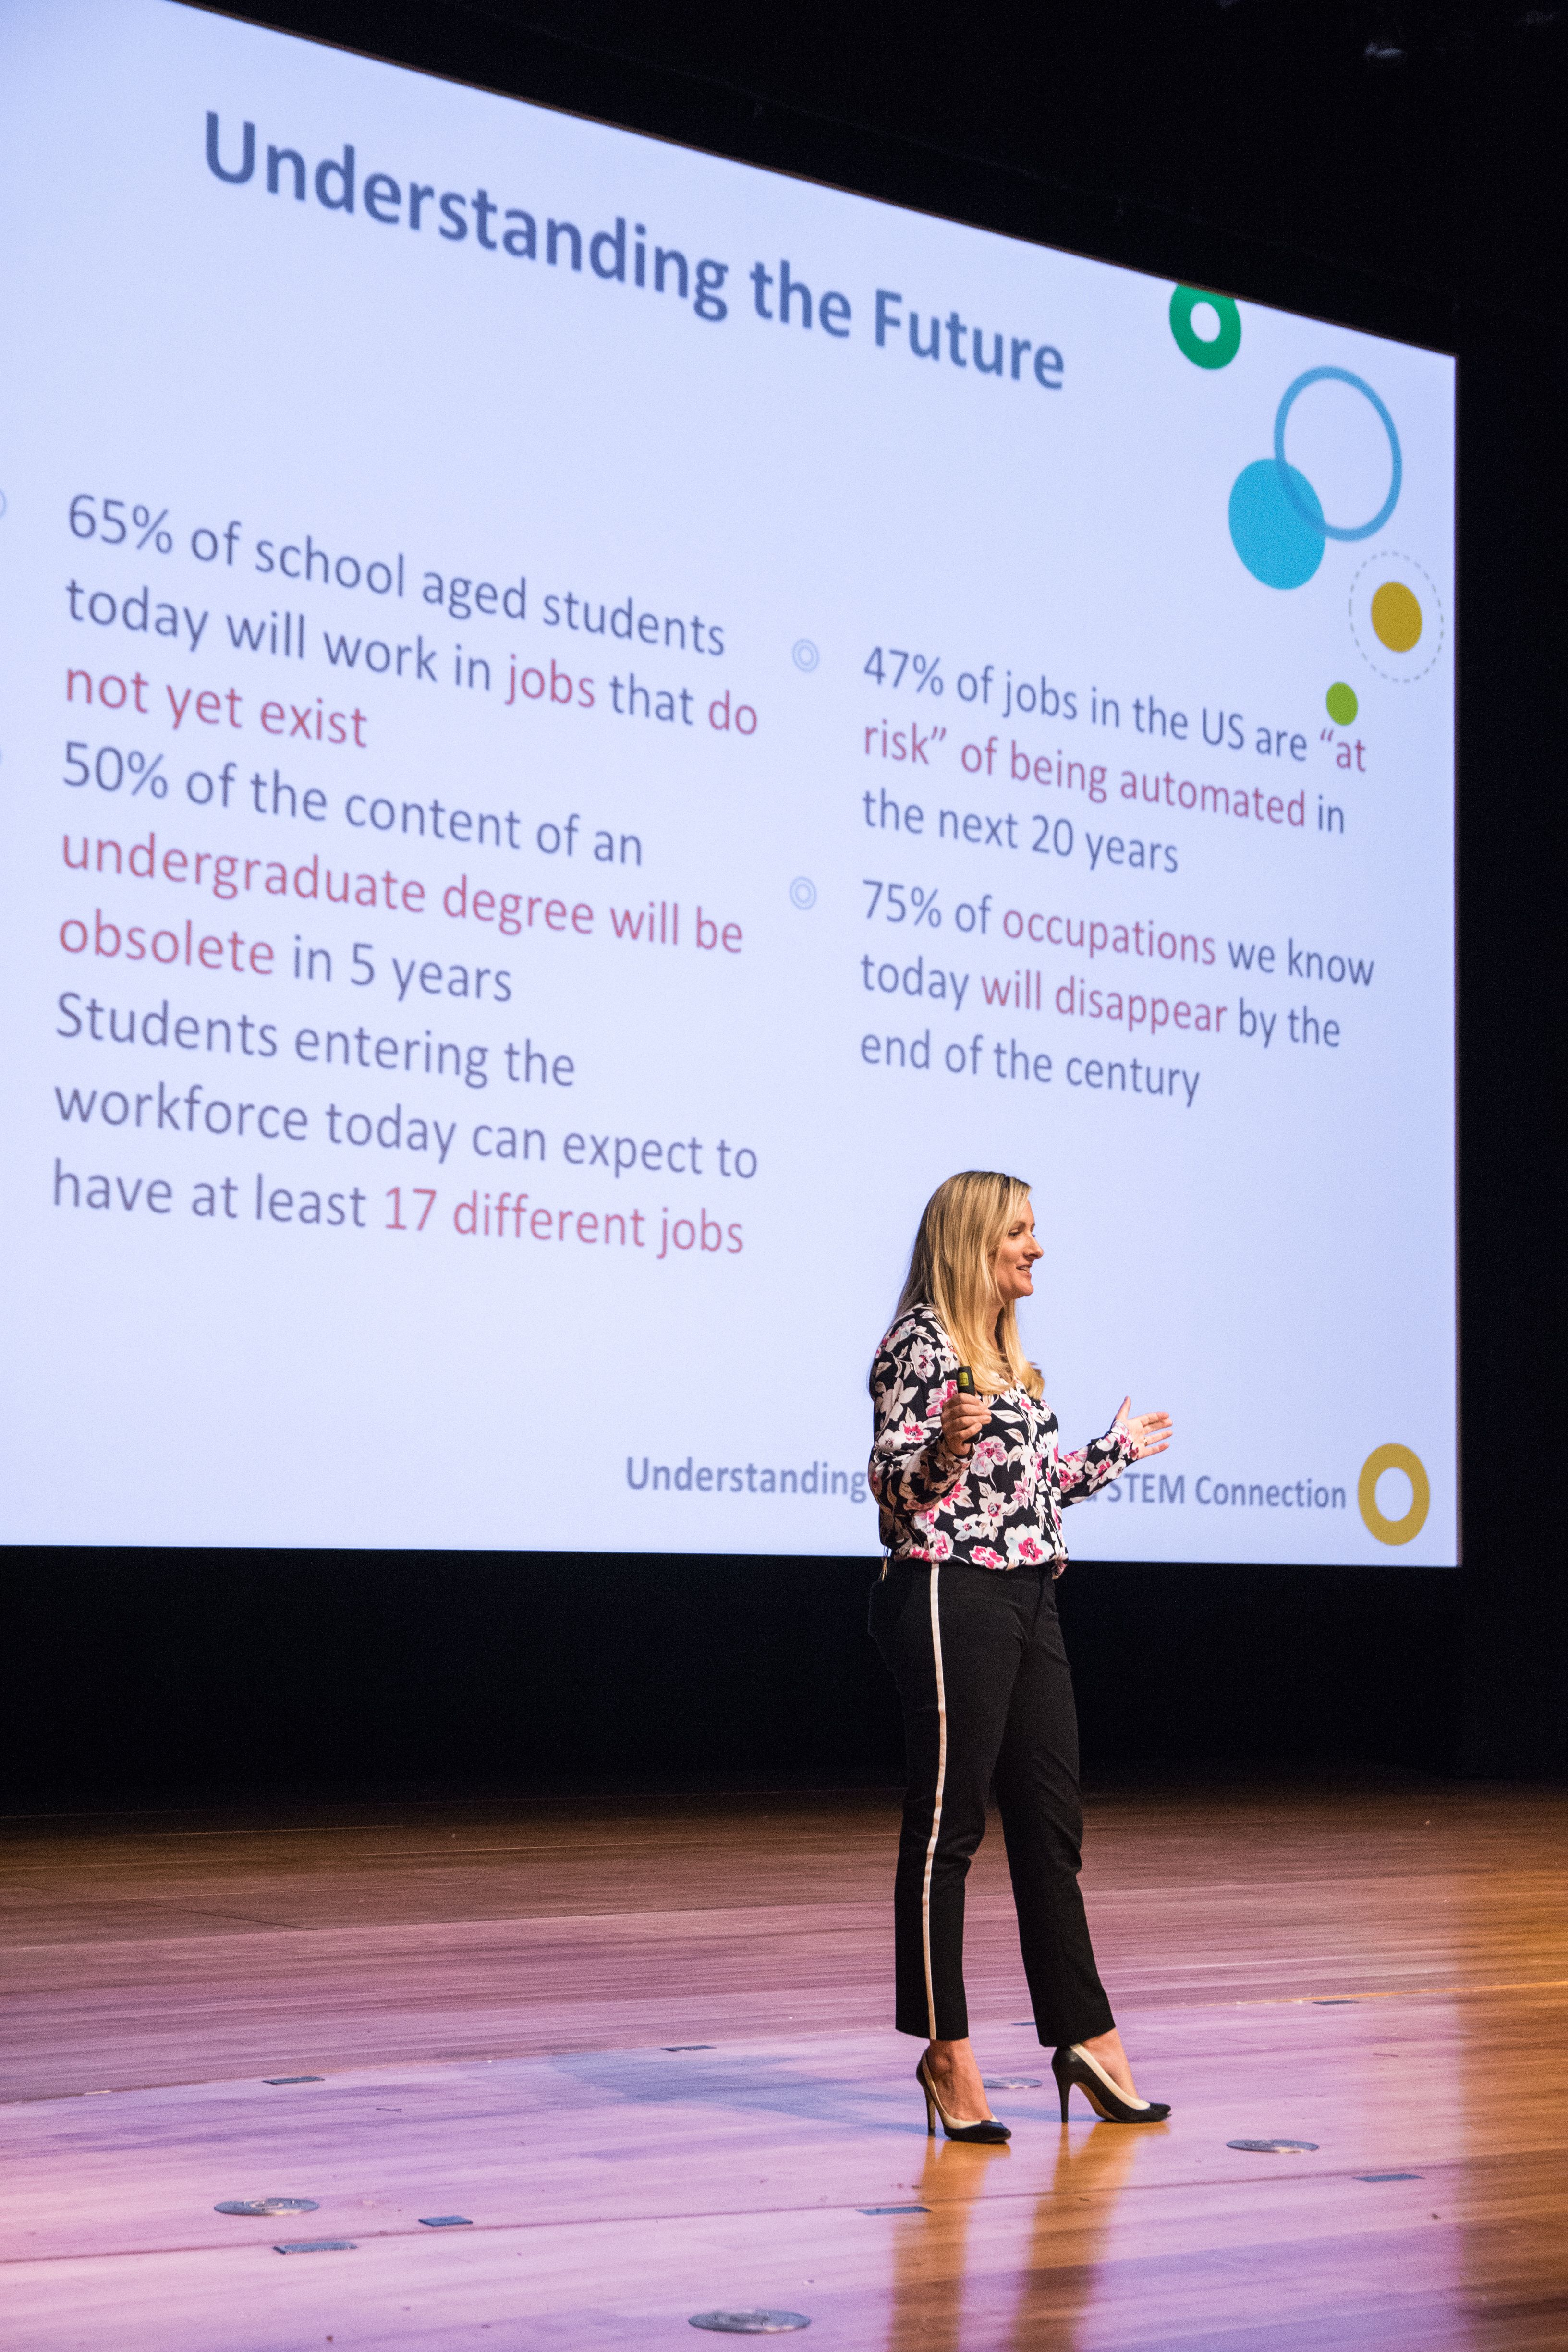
[1399,169]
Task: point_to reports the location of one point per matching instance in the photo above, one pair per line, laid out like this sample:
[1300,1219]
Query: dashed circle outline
[1396,676]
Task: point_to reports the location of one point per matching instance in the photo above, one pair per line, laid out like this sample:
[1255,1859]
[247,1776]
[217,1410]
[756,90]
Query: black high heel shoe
[1074,2064]
[988,2133]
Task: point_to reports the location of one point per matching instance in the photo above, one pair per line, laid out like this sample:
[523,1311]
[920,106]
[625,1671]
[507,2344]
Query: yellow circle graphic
[1393,1457]
[1396,617]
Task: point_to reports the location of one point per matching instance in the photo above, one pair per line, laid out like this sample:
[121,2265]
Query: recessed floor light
[269,2205]
[750,2323]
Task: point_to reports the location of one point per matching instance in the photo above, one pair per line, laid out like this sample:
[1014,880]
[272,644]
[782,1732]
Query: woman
[964,1615]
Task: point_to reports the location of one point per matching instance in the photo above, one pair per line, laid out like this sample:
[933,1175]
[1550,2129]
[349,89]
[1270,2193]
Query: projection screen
[584,723]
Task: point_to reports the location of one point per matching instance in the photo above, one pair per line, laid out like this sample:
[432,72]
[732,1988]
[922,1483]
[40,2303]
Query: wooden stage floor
[490,1995]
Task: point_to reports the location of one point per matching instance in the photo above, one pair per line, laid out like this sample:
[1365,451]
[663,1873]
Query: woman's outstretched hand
[1149,1432]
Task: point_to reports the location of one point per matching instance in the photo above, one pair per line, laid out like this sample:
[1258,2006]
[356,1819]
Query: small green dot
[1342,703]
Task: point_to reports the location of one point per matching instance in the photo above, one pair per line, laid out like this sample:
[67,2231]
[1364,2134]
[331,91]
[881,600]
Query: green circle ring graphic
[1185,300]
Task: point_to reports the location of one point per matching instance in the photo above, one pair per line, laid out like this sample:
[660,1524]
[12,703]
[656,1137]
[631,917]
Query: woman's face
[1012,1267]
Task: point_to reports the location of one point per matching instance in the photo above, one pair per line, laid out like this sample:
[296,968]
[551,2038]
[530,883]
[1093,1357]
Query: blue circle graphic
[1312,514]
[1277,526]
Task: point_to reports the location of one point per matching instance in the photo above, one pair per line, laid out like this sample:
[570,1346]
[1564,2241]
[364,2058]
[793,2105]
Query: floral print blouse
[1001,1510]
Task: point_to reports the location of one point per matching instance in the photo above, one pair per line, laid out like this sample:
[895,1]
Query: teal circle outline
[1316,522]
[1185,300]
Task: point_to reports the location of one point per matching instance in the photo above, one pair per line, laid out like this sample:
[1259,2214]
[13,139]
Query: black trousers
[977,1655]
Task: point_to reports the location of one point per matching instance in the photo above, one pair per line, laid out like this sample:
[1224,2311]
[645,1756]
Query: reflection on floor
[644,2051]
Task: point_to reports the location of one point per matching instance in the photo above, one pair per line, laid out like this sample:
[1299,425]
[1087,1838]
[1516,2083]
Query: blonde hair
[964,1223]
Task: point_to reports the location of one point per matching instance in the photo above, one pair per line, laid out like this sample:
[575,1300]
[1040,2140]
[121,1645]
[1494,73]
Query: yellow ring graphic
[1393,1457]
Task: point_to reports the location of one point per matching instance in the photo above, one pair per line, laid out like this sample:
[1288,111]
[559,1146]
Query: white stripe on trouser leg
[936,1809]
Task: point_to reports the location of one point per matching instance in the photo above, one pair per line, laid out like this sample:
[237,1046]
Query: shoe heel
[1064,2080]
[926,2096]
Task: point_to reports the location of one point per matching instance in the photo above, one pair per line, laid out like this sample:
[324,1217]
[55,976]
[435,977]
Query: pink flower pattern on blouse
[1003,1508]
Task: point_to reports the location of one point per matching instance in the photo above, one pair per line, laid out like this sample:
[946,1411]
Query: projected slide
[582,725]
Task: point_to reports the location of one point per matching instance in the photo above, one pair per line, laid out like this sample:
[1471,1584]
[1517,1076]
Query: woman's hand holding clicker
[963,1419]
